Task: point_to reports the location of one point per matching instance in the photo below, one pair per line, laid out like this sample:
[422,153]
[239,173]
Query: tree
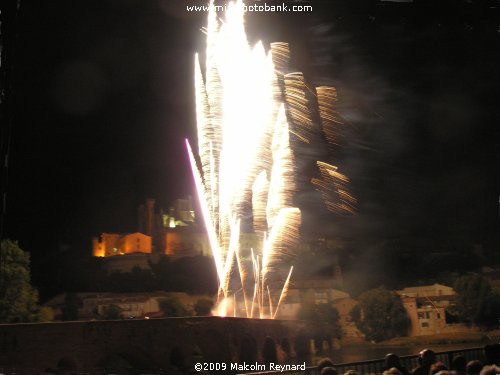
[203,307]
[111,312]
[173,307]
[325,319]
[476,302]
[18,299]
[380,315]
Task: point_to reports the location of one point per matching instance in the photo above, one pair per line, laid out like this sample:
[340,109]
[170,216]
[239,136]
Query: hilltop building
[111,244]
[159,225]
[175,233]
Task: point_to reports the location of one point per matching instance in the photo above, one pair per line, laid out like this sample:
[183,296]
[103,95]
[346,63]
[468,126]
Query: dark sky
[104,99]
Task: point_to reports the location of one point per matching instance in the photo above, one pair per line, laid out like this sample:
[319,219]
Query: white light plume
[247,106]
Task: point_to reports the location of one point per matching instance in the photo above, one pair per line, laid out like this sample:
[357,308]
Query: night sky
[103,96]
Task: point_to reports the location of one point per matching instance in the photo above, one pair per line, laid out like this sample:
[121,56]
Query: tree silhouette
[380,315]
[18,299]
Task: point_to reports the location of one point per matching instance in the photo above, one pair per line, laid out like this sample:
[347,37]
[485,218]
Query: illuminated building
[426,307]
[181,214]
[150,223]
[112,244]
[162,227]
[180,241]
[174,234]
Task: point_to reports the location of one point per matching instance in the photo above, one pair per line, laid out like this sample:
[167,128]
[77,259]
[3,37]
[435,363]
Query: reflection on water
[366,352]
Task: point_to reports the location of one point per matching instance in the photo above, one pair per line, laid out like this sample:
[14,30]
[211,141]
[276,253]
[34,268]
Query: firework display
[248,105]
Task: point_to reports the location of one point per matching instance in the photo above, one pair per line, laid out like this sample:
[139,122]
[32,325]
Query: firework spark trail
[238,145]
[256,278]
[333,188]
[299,106]
[245,155]
[243,275]
[281,185]
[330,118]
[270,302]
[283,233]
[259,202]
[284,291]
[212,237]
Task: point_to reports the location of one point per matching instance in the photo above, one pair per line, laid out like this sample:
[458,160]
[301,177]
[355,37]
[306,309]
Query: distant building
[426,306]
[311,291]
[151,223]
[180,214]
[131,305]
[175,234]
[319,291]
[111,244]
[184,241]
[178,234]
[434,290]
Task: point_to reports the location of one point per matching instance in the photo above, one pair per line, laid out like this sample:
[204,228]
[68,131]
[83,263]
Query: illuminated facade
[159,233]
[112,244]
[159,225]
[181,214]
[426,307]
[150,223]
[181,241]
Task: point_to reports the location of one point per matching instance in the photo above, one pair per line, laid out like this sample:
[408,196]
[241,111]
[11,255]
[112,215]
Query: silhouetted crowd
[429,365]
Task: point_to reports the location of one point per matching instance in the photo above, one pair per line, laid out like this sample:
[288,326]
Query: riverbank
[465,337]
[359,350]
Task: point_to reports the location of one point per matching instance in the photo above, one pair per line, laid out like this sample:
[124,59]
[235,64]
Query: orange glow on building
[116,244]
[97,248]
[183,242]
[172,243]
[135,243]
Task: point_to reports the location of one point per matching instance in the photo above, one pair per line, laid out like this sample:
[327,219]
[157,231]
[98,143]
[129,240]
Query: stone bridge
[138,346]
